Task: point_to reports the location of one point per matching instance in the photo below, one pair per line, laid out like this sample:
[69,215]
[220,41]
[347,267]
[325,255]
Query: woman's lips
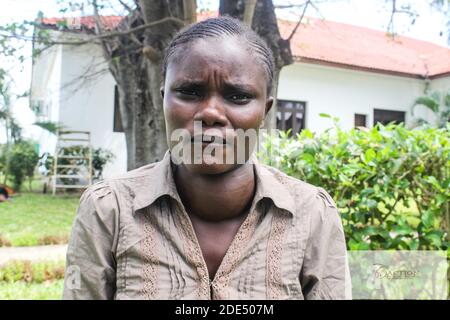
[205,140]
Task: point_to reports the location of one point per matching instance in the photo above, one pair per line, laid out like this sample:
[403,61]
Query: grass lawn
[35,219]
[21,290]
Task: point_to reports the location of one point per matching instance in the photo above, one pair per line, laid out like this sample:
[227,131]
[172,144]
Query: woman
[195,226]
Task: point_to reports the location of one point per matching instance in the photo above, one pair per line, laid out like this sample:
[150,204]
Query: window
[360,120]
[117,126]
[386,116]
[291,115]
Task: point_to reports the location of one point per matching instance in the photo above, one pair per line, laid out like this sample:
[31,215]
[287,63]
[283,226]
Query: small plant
[32,272]
[48,240]
[21,162]
[100,157]
[437,103]
[4,242]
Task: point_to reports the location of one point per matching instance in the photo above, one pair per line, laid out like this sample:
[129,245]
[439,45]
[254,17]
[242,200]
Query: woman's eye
[189,92]
[239,98]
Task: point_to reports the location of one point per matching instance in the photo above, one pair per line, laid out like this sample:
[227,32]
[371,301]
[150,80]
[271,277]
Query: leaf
[51,127]
[435,238]
[369,155]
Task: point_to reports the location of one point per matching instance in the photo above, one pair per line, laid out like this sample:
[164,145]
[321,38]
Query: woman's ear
[269,103]
[161,90]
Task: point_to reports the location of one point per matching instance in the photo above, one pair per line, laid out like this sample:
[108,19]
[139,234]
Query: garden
[31,217]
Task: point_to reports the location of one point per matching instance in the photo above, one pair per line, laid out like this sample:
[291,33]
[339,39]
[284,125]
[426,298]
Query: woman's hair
[220,27]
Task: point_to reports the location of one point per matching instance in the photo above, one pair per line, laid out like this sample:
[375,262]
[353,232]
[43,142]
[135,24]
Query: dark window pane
[387,116]
[360,120]
[291,115]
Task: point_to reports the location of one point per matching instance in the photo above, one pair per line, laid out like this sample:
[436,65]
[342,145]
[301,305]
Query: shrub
[391,184]
[4,242]
[22,159]
[36,272]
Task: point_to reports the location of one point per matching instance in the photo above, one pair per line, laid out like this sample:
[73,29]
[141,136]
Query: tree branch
[125,6]
[307,3]
[249,11]
[118,33]
[190,11]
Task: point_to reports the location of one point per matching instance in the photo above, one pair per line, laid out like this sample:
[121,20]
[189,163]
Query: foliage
[21,162]
[3,158]
[32,219]
[12,128]
[21,290]
[27,271]
[100,157]
[31,280]
[391,184]
[49,126]
[438,103]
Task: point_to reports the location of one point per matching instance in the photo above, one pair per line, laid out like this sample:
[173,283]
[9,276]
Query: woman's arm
[325,273]
[90,263]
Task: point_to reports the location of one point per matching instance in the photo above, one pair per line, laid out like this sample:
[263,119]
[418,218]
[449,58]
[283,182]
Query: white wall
[45,89]
[440,84]
[342,93]
[87,102]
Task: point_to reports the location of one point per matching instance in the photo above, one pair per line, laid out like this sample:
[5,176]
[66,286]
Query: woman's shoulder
[124,185]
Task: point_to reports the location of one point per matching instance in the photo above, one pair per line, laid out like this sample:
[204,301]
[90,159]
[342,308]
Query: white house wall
[342,93]
[45,90]
[440,84]
[87,102]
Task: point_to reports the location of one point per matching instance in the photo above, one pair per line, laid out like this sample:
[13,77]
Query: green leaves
[391,184]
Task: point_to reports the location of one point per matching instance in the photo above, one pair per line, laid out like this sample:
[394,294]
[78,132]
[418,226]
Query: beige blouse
[132,239]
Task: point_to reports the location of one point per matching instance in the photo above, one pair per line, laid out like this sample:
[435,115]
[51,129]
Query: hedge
[391,184]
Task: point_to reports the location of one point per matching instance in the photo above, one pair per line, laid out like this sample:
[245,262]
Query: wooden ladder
[74,162]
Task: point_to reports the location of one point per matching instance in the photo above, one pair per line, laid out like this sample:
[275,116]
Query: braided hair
[221,27]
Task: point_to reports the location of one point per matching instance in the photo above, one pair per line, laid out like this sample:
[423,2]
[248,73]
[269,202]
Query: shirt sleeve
[325,272]
[90,262]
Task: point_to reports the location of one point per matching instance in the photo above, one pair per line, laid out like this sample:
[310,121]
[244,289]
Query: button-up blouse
[133,239]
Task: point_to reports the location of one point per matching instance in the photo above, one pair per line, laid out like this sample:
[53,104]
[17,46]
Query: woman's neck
[216,198]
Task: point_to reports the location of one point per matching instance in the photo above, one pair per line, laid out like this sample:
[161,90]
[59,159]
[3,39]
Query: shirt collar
[160,177]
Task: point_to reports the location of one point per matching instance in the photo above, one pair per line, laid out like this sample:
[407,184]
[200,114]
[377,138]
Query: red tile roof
[338,44]
[88,22]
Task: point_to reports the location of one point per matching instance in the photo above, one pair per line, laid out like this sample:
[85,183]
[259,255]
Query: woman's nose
[211,113]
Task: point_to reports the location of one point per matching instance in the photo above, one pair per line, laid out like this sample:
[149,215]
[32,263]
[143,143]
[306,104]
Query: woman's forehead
[220,57]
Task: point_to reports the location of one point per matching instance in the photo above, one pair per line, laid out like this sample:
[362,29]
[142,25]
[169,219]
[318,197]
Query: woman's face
[218,84]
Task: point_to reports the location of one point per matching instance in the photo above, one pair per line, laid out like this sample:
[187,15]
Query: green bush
[21,162]
[391,184]
[36,272]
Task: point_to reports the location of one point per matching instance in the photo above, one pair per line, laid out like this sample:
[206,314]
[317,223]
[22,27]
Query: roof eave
[358,68]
